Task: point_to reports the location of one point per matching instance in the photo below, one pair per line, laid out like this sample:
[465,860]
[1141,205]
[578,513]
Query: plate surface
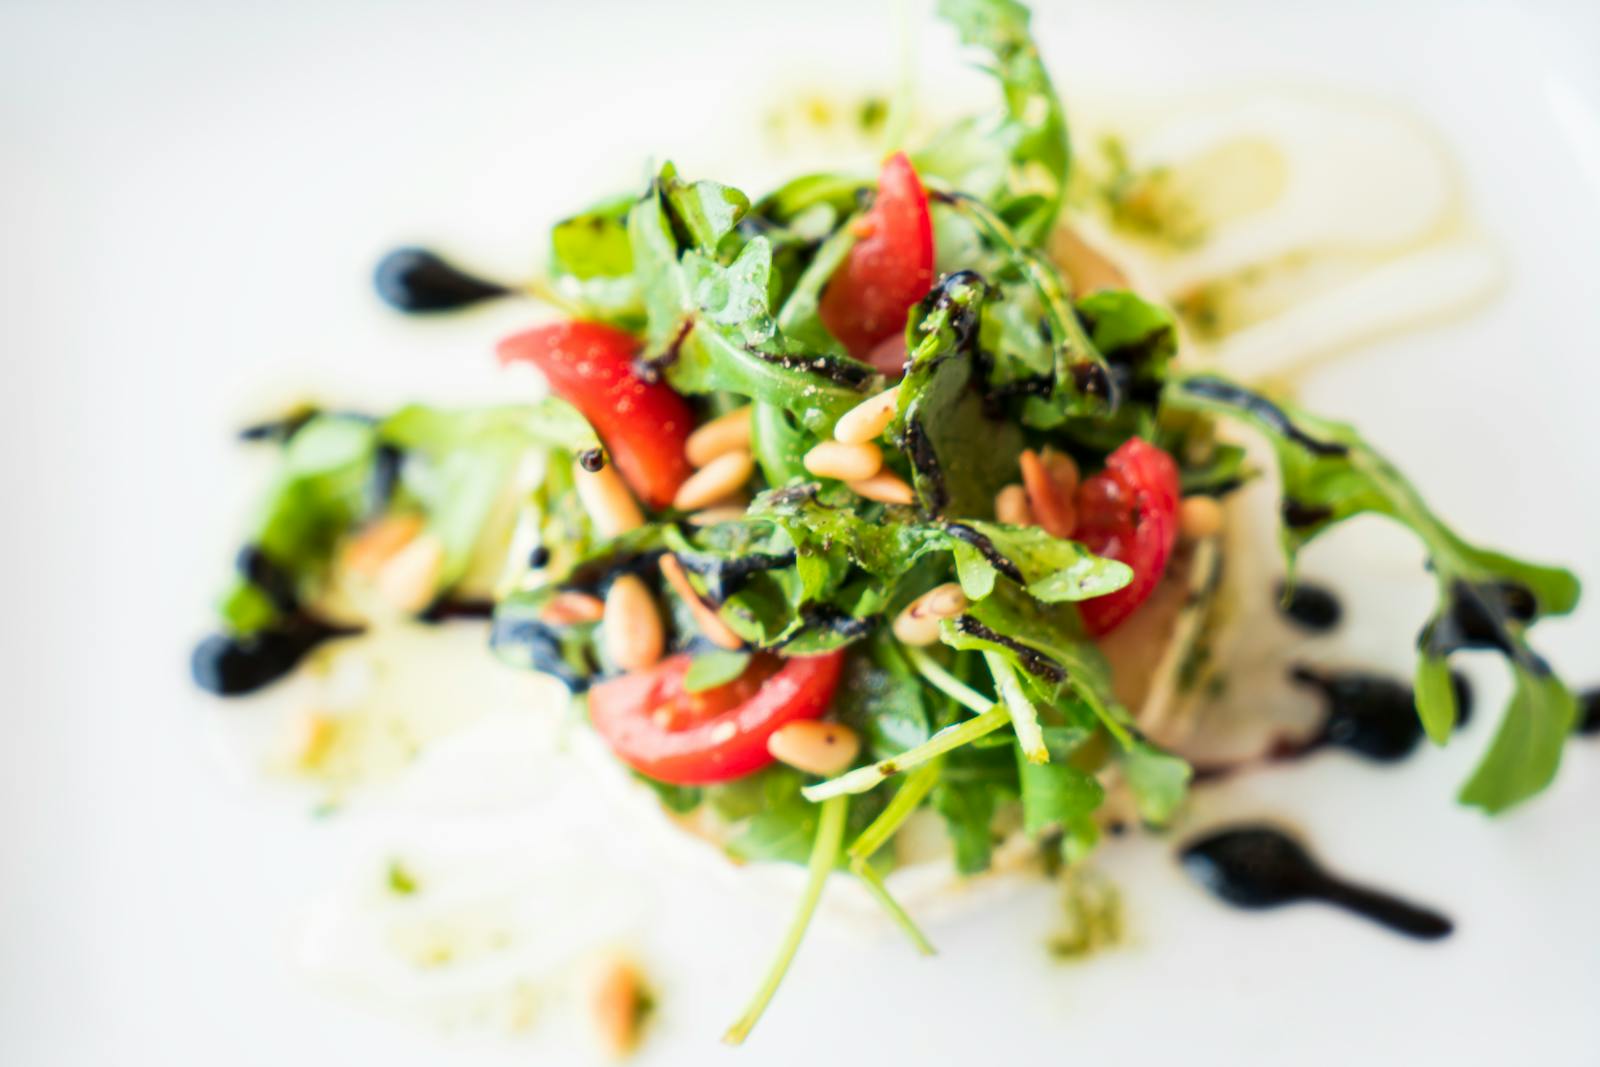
[192,201]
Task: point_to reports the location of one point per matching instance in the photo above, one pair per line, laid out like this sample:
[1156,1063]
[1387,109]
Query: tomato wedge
[665,732]
[1129,512]
[643,424]
[889,269]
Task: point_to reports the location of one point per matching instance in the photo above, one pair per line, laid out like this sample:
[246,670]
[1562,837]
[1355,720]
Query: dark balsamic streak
[233,666]
[1310,606]
[275,581]
[279,430]
[446,608]
[1225,392]
[986,549]
[1589,712]
[725,576]
[919,449]
[536,646]
[1256,866]
[1032,660]
[417,281]
[387,462]
[1299,516]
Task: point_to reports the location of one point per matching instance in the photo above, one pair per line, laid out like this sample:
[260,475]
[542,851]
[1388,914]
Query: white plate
[192,201]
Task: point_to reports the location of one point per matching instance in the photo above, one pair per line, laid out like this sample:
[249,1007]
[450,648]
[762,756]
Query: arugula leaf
[710,327]
[1057,795]
[713,668]
[1486,599]
[591,263]
[961,452]
[968,811]
[1052,569]
[1018,161]
[879,697]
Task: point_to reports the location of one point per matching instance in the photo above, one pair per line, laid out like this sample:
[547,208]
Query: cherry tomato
[665,732]
[643,424]
[889,269]
[1129,512]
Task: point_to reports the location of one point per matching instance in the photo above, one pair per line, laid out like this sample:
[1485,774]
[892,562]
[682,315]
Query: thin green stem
[1024,716]
[899,809]
[950,738]
[880,892]
[947,683]
[824,856]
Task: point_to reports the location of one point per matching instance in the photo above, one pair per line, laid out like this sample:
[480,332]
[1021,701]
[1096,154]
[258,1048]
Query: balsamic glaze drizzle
[1225,392]
[1372,715]
[417,281]
[1309,606]
[1256,866]
[1589,712]
[233,666]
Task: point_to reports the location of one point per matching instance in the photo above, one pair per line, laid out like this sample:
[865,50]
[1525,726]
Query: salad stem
[1024,716]
[947,683]
[950,738]
[880,892]
[905,801]
[824,855]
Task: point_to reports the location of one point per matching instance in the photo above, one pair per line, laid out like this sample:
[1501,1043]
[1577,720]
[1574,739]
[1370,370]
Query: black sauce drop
[1311,607]
[1298,515]
[387,461]
[280,429]
[447,608]
[539,558]
[1257,866]
[1589,712]
[1372,715]
[592,459]
[418,281]
[233,666]
[533,645]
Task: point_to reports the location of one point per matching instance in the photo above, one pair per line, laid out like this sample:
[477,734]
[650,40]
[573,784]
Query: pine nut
[716,631]
[918,622]
[848,463]
[821,748]
[720,513]
[1012,508]
[883,487]
[631,630]
[617,1003]
[569,608]
[1200,517]
[407,581]
[723,434]
[867,419]
[1063,471]
[716,481]
[370,549]
[1053,512]
[605,497]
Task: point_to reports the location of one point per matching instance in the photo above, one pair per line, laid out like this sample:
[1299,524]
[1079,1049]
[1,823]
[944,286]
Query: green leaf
[594,244]
[1055,795]
[1436,698]
[1159,781]
[1526,751]
[711,669]
[968,811]
[1018,161]
[880,698]
[961,453]
[707,211]
[1486,599]
[1053,569]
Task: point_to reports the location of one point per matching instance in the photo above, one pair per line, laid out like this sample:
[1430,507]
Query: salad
[868,502]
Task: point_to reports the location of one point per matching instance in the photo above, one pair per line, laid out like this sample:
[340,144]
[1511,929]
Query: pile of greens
[1015,707]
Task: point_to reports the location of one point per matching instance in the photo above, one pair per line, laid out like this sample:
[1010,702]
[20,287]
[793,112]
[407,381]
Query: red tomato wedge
[1129,512]
[889,269]
[643,424]
[664,732]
